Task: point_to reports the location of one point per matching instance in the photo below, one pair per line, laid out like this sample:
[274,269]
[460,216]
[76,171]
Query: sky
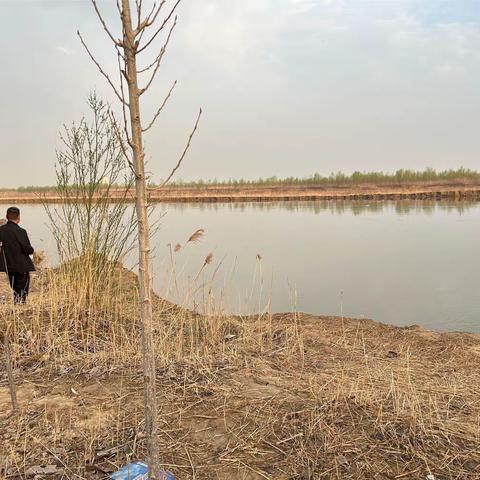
[288,87]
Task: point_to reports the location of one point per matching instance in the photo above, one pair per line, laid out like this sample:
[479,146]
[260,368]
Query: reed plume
[208,259]
[196,236]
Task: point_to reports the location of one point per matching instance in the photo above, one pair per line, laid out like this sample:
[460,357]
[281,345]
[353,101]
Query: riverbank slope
[262,193]
[284,397]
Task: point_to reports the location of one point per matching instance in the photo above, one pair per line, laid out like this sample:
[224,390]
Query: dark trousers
[20,282]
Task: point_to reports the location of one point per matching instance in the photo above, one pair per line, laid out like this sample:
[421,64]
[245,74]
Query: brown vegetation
[251,193]
[287,396]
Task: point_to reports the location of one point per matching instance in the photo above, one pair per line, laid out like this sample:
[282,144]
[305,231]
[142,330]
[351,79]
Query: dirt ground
[286,397]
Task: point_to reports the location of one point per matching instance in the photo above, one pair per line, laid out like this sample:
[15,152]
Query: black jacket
[15,249]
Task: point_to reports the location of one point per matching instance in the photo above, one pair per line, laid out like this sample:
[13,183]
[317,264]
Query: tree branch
[165,100]
[138,4]
[158,60]
[152,21]
[120,141]
[148,20]
[119,53]
[187,146]
[122,99]
[102,21]
[159,29]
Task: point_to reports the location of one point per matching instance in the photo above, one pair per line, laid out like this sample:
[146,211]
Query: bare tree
[137,36]
[91,232]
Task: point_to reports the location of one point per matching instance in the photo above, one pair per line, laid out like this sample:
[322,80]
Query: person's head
[13,214]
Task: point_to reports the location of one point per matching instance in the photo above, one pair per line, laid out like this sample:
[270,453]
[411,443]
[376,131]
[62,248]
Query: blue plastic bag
[137,471]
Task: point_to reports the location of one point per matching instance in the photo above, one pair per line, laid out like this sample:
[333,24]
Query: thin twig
[152,21]
[101,69]
[102,21]
[120,141]
[158,60]
[177,166]
[140,30]
[162,50]
[149,20]
[165,100]
[139,12]
[161,27]
[192,466]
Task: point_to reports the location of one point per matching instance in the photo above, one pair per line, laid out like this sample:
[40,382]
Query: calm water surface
[396,262]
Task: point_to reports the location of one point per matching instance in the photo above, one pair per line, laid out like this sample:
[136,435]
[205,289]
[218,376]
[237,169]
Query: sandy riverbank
[284,397]
[438,190]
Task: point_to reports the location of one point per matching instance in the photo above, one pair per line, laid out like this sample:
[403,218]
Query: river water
[401,262]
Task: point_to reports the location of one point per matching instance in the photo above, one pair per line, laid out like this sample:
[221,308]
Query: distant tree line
[401,176]
[29,188]
[339,178]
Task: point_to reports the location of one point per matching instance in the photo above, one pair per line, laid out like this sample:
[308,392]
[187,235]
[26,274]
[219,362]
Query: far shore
[269,193]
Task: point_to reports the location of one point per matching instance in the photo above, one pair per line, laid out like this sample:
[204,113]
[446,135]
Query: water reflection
[338,207]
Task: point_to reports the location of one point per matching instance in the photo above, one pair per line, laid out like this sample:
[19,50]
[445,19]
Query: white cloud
[259,32]
[64,50]
[302,6]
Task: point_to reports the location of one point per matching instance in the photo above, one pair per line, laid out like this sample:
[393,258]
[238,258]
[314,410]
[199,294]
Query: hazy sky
[288,87]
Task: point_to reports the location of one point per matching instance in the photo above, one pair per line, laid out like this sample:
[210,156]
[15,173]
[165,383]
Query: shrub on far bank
[399,177]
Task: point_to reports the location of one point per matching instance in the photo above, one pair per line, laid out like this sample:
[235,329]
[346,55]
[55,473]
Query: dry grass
[453,190]
[289,396]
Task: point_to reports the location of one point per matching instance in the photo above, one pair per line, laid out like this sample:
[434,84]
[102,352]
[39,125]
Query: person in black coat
[15,254]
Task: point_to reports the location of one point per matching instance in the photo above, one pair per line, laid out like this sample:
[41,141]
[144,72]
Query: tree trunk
[144,278]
